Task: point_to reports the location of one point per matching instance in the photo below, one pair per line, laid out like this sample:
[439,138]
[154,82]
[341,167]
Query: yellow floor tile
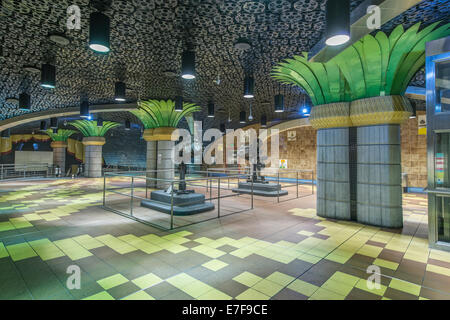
[362,285]
[337,287]
[323,294]
[88,242]
[404,286]
[214,295]
[386,264]
[251,294]
[116,244]
[215,265]
[438,269]
[267,287]
[196,288]
[72,249]
[303,287]
[181,280]
[140,295]
[112,281]
[46,249]
[248,279]
[280,278]
[147,281]
[20,251]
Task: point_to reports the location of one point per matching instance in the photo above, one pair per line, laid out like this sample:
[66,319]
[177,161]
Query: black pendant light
[279,103]
[188,65]
[99,32]
[84,109]
[6,134]
[127,125]
[120,91]
[24,101]
[54,123]
[48,76]
[179,103]
[222,127]
[338,22]
[210,110]
[43,126]
[249,87]
[263,120]
[55,130]
[99,121]
[242,117]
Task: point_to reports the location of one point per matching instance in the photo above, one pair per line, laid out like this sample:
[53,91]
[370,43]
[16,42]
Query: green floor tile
[21,251]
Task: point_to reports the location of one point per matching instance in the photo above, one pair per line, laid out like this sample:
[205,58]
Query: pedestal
[93,156]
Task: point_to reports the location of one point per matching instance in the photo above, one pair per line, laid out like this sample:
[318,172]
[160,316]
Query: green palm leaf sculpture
[323,82]
[374,66]
[384,65]
[161,113]
[90,129]
[61,135]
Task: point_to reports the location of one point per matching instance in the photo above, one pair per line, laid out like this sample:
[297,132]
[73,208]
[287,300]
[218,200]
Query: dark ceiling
[147,38]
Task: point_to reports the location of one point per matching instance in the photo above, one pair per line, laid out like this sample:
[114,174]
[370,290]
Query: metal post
[171,209]
[278,187]
[252,195]
[132,195]
[104,190]
[297,184]
[312,181]
[210,191]
[218,198]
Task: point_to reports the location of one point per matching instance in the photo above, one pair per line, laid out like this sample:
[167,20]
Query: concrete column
[151,156]
[165,163]
[151,162]
[164,138]
[333,174]
[93,156]
[379,189]
[59,155]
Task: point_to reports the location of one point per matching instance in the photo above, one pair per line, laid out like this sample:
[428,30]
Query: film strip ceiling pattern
[147,38]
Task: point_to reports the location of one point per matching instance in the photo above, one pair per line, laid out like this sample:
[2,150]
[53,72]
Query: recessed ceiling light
[12,100]
[31,69]
[170,73]
[59,39]
[242,44]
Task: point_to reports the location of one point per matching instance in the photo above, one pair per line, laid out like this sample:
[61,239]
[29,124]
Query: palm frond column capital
[93,141]
[160,120]
[59,146]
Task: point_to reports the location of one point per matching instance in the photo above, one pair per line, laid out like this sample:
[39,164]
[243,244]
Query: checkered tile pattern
[282,251]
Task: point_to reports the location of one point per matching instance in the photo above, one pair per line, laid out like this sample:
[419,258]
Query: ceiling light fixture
[43,126]
[84,109]
[338,22]
[24,101]
[99,32]
[264,121]
[249,87]
[127,125]
[210,110]
[31,69]
[242,44]
[48,76]
[188,65]
[99,121]
[120,91]
[242,117]
[12,100]
[279,103]
[54,123]
[178,103]
[59,39]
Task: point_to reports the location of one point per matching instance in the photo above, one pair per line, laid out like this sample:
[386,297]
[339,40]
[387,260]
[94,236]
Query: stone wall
[414,153]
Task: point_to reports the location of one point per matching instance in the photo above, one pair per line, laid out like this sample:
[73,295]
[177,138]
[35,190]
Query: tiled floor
[276,251]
